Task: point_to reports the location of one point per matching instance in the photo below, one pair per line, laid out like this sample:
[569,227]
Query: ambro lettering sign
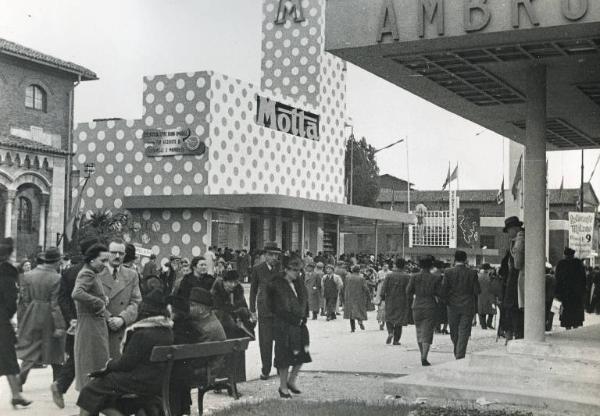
[287,119]
[172,142]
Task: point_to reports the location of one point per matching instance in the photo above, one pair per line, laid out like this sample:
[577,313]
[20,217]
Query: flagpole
[581,187]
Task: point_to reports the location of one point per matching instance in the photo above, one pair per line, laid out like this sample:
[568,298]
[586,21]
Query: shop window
[24,222]
[35,98]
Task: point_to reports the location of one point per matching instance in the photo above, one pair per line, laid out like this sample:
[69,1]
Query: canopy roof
[472,62]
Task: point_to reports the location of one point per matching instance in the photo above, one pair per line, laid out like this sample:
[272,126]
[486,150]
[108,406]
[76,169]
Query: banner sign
[581,233]
[172,143]
[469,224]
[141,251]
[452,219]
[286,119]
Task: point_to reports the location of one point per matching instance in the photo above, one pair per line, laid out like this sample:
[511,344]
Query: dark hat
[6,246]
[51,255]
[486,266]
[86,243]
[272,247]
[152,256]
[202,296]
[231,275]
[569,251]
[512,222]
[174,257]
[129,253]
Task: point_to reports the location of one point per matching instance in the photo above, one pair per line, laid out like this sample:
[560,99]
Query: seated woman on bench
[231,308]
[133,373]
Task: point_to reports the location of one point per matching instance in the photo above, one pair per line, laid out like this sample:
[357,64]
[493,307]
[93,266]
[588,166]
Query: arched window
[24,222]
[35,97]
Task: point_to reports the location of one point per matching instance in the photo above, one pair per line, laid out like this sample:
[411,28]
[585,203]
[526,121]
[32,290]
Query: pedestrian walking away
[393,293]
[571,290]
[423,290]
[356,297]
[41,335]
[460,289]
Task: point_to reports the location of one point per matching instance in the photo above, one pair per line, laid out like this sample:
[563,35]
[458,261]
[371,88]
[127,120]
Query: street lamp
[89,169]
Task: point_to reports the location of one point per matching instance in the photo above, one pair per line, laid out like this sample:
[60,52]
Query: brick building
[36,120]
[491,243]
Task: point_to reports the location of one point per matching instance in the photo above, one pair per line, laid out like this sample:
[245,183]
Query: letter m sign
[289,7]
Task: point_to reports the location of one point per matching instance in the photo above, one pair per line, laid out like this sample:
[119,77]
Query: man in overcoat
[41,335]
[261,277]
[397,305]
[312,282]
[121,286]
[461,289]
[486,302]
[514,285]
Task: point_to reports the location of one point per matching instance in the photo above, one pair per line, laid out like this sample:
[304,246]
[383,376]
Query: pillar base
[521,346]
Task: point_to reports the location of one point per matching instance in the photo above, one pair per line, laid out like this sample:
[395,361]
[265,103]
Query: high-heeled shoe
[20,402]
[284,395]
[293,389]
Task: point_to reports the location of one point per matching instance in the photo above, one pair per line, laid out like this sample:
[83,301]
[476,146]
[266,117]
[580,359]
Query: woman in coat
[90,303]
[424,287]
[287,300]
[486,301]
[397,306]
[356,297]
[230,306]
[132,372]
[9,365]
[571,289]
[312,282]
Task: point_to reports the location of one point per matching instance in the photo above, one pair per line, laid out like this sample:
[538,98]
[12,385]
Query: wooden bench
[225,379]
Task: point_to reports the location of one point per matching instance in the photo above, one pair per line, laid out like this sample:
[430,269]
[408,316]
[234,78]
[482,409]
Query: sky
[124,40]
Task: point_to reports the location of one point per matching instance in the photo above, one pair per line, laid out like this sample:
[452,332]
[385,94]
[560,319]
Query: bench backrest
[199,350]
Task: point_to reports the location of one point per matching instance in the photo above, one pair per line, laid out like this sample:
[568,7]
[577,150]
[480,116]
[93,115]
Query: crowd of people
[96,320]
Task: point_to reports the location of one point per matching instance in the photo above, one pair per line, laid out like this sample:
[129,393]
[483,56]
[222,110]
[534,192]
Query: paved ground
[345,365]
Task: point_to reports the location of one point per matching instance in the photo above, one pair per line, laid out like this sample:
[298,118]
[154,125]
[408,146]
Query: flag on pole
[447,181]
[518,179]
[74,215]
[562,186]
[500,194]
[454,175]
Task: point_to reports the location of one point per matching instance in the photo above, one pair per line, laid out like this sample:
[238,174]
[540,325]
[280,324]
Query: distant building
[485,218]
[36,119]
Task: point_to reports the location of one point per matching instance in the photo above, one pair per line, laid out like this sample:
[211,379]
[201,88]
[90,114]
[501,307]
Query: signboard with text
[286,119]
[172,143]
[581,233]
[452,219]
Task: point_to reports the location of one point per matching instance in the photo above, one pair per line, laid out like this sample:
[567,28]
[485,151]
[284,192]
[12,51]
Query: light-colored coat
[37,343]
[486,299]
[124,297]
[356,297]
[91,334]
[517,250]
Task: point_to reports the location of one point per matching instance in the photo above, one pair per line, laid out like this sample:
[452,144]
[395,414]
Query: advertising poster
[581,233]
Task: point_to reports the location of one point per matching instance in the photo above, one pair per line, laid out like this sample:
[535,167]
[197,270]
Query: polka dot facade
[292,51]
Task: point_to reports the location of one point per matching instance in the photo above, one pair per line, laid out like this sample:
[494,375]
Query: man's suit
[461,288]
[261,277]
[124,298]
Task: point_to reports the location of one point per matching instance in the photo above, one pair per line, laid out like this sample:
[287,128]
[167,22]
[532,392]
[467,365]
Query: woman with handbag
[287,300]
[424,287]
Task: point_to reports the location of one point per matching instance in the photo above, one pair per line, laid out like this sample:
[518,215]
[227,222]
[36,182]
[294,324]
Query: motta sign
[172,143]
[287,119]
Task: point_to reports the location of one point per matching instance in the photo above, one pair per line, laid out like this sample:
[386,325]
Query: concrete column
[42,230]
[535,204]
[337,240]
[10,200]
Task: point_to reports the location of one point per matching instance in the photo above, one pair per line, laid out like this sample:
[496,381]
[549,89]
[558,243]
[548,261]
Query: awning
[268,204]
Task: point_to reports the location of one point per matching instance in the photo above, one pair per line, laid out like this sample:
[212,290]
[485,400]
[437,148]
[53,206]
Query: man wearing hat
[41,335]
[461,289]
[512,317]
[261,277]
[312,281]
[122,287]
[67,306]
[571,289]
[331,288]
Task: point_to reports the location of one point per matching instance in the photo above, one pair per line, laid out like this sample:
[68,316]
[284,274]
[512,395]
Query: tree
[365,186]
